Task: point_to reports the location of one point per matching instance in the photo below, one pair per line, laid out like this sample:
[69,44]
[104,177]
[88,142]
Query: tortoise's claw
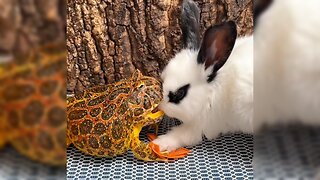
[176,154]
[155,127]
[68,142]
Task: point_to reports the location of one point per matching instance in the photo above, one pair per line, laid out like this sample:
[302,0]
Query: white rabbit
[213,95]
[208,88]
[287,64]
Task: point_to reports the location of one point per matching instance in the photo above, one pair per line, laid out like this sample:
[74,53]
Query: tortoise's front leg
[142,150]
[68,142]
[155,126]
[151,151]
[154,117]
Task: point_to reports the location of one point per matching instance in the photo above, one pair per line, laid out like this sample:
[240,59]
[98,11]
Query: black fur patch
[259,7]
[211,76]
[178,95]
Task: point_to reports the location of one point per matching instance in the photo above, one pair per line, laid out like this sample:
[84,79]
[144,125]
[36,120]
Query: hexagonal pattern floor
[14,166]
[228,157]
[291,152]
[280,153]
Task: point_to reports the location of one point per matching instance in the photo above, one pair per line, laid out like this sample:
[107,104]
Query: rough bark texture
[108,39]
[26,24]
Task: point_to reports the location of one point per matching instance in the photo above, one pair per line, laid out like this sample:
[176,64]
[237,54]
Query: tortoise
[106,120]
[33,104]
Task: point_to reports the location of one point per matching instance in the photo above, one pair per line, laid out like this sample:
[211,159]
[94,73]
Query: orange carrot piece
[155,148]
[151,137]
[179,153]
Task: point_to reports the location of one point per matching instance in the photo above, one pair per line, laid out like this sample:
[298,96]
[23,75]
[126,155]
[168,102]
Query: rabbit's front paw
[167,143]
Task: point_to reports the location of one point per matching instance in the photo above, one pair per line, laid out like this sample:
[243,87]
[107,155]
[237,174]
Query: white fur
[287,64]
[286,79]
[224,105]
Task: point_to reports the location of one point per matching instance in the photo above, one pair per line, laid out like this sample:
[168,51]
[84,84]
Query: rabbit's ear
[259,7]
[217,44]
[190,25]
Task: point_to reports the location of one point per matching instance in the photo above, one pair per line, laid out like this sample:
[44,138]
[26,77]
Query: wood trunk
[27,24]
[108,39]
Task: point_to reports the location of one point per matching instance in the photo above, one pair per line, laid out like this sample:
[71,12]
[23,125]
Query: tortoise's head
[145,98]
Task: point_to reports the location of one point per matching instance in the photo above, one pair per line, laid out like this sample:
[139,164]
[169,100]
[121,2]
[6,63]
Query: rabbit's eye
[178,95]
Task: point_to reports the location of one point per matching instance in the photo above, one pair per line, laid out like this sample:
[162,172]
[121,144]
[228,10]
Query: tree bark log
[27,24]
[108,39]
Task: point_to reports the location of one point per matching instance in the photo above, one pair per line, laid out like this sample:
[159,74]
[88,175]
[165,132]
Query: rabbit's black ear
[217,44]
[190,25]
[259,7]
